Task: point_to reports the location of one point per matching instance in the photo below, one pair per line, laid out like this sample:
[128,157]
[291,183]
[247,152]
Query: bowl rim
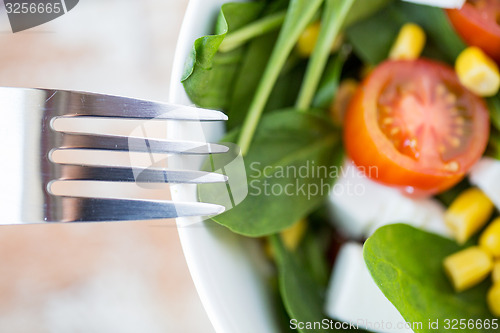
[251,274]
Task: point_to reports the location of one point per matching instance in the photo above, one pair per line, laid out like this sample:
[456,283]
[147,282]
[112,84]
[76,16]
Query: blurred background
[113,277]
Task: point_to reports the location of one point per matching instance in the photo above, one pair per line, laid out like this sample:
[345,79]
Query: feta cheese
[356,201]
[358,206]
[353,296]
[486,175]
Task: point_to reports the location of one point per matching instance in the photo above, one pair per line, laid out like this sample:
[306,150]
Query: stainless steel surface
[124,143]
[28,139]
[125,174]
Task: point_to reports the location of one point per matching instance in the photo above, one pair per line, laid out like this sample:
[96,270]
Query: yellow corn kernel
[478,72]
[409,43]
[490,238]
[345,92]
[268,249]
[292,236]
[494,299]
[468,267]
[308,39]
[468,213]
[495,275]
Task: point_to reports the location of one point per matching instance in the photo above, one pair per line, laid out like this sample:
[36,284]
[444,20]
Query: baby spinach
[493,149]
[442,41]
[247,80]
[363,9]
[330,81]
[299,14]
[494,107]
[406,264]
[302,296]
[334,15]
[258,28]
[209,74]
[289,173]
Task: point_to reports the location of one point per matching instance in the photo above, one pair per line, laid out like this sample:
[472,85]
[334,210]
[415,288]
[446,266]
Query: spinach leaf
[439,31]
[258,28]
[285,90]
[406,264]
[302,296]
[313,254]
[494,107]
[248,78]
[288,168]
[288,85]
[372,38]
[334,16]
[208,74]
[329,84]
[363,9]
[299,14]
[493,149]
[442,41]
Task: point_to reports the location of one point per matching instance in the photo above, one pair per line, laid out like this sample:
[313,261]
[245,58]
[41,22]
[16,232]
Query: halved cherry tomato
[414,126]
[478,23]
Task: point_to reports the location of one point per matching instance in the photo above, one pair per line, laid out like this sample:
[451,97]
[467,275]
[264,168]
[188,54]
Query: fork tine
[77,209]
[127,174]
[134,144]
[97,105]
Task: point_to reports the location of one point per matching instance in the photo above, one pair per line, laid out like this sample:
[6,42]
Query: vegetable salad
[406,90]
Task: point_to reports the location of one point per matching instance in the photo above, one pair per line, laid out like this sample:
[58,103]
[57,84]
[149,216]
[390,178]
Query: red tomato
[478,23]
[414,126]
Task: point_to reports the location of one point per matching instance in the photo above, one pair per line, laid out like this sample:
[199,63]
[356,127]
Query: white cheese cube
[356,201]
[486,175]
[358,206]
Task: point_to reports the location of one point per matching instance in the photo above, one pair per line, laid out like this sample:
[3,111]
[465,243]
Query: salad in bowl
[363,174]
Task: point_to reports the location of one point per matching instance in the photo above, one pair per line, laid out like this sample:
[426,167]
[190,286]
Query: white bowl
[228,270]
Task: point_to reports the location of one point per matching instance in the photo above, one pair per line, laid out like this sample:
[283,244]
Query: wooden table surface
[114,277]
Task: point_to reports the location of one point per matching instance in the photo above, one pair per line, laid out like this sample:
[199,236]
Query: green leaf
[258,28]
[312,252]
[372,38]
[439,31]
[285,143]
[302,296]
[494,107]
[334,15]
[493,149]
[248,78]
[442,41]
[299,14]
[363,9]
[329,84]
[406,264]
[208,74]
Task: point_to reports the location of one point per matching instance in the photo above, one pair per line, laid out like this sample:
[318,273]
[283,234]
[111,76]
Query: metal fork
[28,139]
